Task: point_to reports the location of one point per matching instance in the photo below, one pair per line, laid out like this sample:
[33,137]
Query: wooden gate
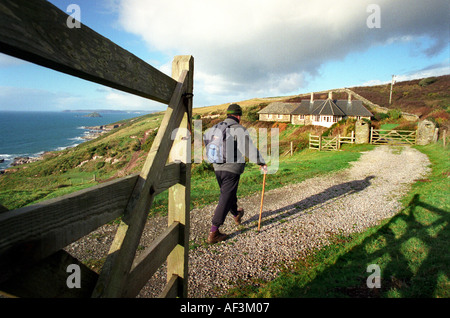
[392,137]
[329,143]
[323,143]
[32,260]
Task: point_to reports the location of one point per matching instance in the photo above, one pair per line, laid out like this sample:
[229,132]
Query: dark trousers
[228,183]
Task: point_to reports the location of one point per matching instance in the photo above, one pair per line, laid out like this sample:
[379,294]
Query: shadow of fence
[411,250]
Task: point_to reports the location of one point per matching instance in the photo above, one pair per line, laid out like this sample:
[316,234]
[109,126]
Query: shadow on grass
[411,251]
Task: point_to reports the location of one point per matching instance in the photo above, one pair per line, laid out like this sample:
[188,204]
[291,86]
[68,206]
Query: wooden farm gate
[392,137]
[323,143]
[33,262]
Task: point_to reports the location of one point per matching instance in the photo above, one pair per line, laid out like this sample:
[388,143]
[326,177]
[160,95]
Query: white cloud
[270,47]
[118,100]
[28,99]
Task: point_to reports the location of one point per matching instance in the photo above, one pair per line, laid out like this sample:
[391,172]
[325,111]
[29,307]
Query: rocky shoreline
[96,131]
[24,160]
[93,133]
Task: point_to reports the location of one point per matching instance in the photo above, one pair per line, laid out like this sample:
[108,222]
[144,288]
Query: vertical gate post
[179,194]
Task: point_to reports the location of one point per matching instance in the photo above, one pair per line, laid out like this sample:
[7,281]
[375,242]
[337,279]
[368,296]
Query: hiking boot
[238,217]
[215,237]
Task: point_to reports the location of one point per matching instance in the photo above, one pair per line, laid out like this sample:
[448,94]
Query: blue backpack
[215,141]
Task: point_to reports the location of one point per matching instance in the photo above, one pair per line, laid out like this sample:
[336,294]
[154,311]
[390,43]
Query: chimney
[349,98]
[330,95]
[312,98]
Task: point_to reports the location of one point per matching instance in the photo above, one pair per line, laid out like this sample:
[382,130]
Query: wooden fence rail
[32,260]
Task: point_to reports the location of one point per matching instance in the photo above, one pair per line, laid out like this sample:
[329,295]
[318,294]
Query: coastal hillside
[115,153]
[428,98]
[123,150]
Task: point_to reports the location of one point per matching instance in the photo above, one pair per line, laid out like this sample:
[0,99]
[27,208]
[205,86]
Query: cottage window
[317,118]
[280,116]
[301,116]
[269,116]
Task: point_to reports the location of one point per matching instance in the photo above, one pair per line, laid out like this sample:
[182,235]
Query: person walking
[238,147]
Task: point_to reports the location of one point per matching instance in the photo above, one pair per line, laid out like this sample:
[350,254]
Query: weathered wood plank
[37,31]
[48,279]
[3,209]
[151,259]
[179,194]
[118,263]
[31,233]
[171,176]
[171,288]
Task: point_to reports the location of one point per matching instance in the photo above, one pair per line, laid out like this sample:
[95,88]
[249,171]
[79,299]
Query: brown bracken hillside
[426,98]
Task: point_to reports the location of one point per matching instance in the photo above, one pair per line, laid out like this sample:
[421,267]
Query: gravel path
[296,219]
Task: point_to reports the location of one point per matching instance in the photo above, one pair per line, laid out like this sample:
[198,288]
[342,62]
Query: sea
[30,134]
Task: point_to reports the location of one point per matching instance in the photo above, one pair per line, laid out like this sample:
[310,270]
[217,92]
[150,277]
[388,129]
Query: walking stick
[262,200]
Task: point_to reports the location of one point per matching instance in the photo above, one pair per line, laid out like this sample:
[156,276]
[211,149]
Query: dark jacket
[239,146]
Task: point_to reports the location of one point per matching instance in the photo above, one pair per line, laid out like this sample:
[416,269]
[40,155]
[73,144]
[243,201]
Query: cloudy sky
[247,48]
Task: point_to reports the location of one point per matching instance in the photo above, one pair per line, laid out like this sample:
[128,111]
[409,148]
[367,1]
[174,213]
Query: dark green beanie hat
[234,109]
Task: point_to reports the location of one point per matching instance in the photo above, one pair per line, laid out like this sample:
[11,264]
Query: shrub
[394,114]
[202,168]
[380,116]
[252,114]
[427,81]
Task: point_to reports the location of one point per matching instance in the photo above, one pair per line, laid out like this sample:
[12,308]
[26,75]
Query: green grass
[388,126]
[410,248]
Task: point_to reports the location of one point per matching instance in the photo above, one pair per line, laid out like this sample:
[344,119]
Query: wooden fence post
[179,194]
[32,260]
[444,132]
[115,271]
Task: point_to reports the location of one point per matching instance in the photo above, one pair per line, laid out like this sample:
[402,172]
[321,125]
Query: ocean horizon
[30,134]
